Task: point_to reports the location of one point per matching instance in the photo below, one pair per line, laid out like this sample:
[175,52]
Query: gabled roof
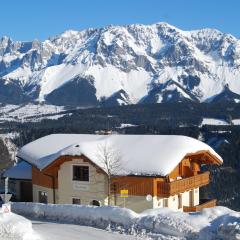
[139,154]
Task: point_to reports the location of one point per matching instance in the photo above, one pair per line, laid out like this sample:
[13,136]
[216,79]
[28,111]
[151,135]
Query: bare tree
[110,159]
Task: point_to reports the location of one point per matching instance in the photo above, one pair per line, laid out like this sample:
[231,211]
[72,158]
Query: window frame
[78,198]
[166,202]
[180,201]
[80,165]
[45,194]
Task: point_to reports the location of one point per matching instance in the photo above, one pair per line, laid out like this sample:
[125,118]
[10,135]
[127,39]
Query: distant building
[20,181]
[154,170]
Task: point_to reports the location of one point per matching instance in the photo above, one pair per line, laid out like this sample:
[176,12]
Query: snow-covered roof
[21,170]
[139,154]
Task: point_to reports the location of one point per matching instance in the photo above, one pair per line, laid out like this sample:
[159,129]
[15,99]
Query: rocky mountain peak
[127,64]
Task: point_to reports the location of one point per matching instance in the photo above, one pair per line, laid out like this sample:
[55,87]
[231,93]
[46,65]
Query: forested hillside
[217,125]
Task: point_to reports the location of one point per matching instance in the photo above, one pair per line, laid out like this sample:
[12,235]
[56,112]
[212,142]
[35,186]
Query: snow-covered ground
[15,227]
[210,224]
[30,112]
[236,121]
[213,121]
[60,231]
[127,125]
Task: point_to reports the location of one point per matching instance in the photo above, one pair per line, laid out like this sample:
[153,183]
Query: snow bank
[86,215]
[15,227]
[210,224]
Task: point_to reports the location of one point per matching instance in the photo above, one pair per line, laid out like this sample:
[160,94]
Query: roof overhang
[205,157]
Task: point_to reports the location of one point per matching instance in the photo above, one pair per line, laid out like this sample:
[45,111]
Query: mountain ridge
[119,65]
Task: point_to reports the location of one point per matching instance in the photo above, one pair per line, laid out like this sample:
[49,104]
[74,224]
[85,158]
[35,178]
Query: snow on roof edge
[145,144]
[22,170]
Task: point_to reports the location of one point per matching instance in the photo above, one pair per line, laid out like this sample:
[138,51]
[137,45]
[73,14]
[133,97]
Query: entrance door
[25,191]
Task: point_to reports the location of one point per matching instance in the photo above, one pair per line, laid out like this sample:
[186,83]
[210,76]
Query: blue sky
[38,19]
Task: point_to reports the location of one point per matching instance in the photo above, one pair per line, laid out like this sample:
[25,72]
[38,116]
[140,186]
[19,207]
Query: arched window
[96,203]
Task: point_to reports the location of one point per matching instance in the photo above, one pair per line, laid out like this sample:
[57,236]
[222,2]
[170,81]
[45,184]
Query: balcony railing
[166,189]
[204,203]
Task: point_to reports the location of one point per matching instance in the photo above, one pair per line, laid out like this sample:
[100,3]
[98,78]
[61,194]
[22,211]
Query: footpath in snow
[210,224]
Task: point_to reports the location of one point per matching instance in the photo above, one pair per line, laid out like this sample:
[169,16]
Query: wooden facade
[44,178]
[206,203]
[185,177]
[138,186]
[166,189]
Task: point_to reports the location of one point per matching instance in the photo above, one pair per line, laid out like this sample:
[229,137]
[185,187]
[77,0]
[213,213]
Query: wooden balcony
[166,189]
[204,203]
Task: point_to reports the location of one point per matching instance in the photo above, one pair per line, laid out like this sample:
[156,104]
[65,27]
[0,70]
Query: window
[165,202]
[80,173]
[191,198]
[179,201]
[42,197]
[96,203]
[76,201]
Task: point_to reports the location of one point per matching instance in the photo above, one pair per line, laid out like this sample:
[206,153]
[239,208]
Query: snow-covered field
[210,224]
[213,121]
[30,112]
[236,121]
[127,125]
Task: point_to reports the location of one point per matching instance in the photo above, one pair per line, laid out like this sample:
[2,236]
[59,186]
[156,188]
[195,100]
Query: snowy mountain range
[118,65]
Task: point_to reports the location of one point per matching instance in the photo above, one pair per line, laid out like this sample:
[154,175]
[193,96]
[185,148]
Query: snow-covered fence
[218,222]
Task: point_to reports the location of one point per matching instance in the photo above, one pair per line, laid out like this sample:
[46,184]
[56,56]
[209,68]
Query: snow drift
[210,224]
[15,227]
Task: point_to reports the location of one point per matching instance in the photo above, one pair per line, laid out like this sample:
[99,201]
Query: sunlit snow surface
[139,154]
[216,122]
[135,58]
[15,227]
[210,224]
[30,112]
[60,231]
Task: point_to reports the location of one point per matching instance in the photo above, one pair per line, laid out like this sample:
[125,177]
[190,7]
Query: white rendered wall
[49,191]
[95,189]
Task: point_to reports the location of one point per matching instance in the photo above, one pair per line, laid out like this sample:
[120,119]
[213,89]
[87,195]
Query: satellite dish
[149,198]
